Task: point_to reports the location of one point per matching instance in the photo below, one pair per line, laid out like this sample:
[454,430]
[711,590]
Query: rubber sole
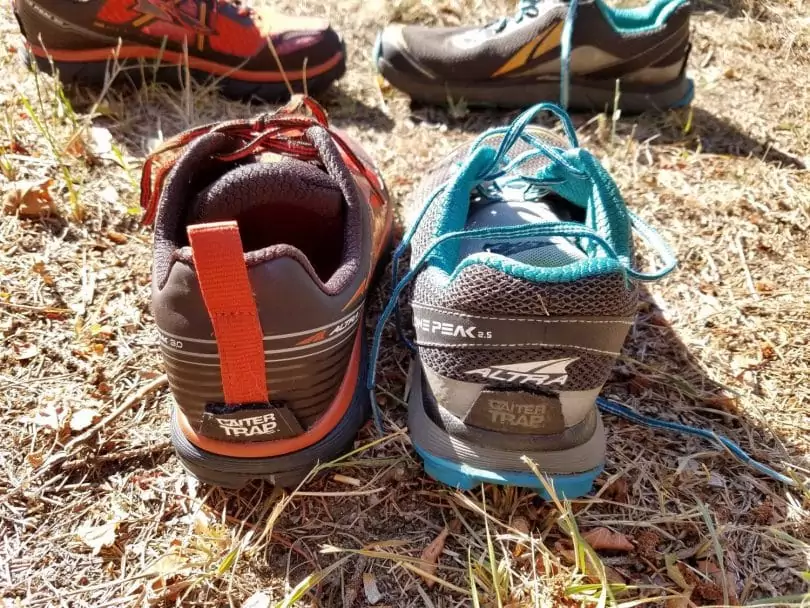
[137,72]
[464,477]
[464,465]
[582,97]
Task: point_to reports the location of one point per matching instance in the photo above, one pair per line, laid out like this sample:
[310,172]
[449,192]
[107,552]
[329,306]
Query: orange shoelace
[280,132]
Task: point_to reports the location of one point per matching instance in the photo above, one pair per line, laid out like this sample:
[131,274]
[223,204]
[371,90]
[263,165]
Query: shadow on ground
[731,8]
[140,117]
[694,128]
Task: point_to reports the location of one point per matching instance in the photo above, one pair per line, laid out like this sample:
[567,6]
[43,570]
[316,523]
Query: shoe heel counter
[515,362]
[531,392]
[303,369]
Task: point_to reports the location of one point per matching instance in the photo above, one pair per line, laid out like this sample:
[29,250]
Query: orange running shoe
[243,50]
[267,235]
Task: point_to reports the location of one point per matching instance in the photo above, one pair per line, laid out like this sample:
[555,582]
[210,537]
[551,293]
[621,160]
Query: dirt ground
[96,511]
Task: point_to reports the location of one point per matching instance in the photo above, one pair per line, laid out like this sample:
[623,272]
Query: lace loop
[525,8]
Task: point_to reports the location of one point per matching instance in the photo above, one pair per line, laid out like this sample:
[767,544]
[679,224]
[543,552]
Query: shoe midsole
[431,438]
[175,58]
[595,95]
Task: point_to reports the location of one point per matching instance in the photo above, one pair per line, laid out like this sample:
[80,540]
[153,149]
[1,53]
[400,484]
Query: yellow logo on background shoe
[536,47]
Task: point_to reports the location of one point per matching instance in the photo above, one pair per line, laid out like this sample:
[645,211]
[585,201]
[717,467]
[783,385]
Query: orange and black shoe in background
[247,52]
[267,235]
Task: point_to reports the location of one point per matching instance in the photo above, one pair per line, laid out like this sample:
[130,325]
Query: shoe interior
[518,207]
[281,205]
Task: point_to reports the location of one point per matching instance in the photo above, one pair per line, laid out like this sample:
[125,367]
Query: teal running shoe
[524,290]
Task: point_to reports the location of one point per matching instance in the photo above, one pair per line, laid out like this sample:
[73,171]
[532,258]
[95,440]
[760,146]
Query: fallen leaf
[611,574]
[607,540]
[567,554]
[617,491]
[77,145]
[98,537]
[29,199]
[50,416]
[25,352]
[119,238]
[83,418]
[373,594]
[168,565]
[258,600]
[727,580]
[101,141]
[16,147]
[40,269]
[431,555]
[678,602]
[160,593]
[35,459]
[521,524]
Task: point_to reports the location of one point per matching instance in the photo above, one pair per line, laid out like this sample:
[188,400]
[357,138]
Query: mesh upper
[484,290]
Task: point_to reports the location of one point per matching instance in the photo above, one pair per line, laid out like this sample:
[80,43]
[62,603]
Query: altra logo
[342,327]
[537,373]
[347,324]
[265,424]
[450,329]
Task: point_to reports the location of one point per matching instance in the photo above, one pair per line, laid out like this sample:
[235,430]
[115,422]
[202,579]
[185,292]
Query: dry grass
[724,343]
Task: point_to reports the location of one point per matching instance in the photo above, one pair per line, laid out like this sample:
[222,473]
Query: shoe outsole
[582,97]
[465,477]
[135,72]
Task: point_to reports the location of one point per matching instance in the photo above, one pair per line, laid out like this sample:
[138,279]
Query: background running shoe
[569,51]
[224,42]
[523,293]
[266,237]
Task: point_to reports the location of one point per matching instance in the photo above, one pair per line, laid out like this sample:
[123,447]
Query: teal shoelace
[528,9]
[485,165]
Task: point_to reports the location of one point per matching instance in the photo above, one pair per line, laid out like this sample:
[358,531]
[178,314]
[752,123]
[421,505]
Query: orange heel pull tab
[222,273]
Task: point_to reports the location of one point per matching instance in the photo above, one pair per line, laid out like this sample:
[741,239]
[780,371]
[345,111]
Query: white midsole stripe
[273,337]
[334,346]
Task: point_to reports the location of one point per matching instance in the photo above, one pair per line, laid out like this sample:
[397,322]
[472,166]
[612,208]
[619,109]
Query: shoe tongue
[286,181]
